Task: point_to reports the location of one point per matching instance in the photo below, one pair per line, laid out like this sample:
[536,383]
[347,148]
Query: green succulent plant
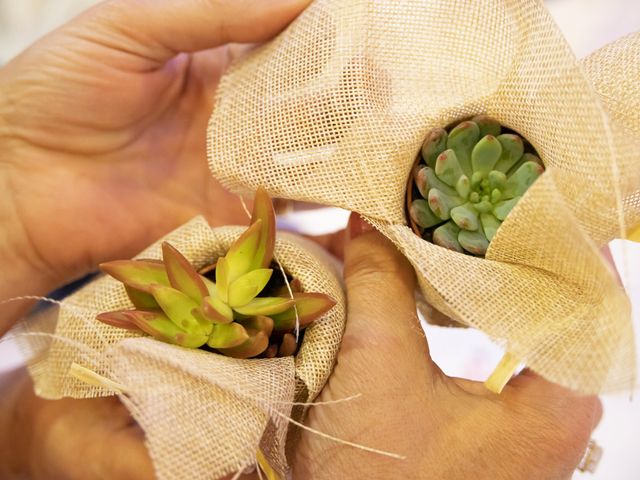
[179,305]
[467,182]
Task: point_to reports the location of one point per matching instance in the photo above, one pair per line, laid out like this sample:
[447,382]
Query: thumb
[381,299]
[159,29]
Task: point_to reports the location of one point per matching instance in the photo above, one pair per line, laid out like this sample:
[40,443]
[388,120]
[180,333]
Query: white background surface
[587,24]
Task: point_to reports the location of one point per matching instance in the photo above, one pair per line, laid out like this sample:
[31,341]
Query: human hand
[67,439]
[447,428]
[102,132]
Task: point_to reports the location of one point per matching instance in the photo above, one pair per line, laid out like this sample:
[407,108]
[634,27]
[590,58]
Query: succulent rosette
[469,179]
[176,304]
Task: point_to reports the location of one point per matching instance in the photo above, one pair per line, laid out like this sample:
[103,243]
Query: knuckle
[372,259]
[573,424]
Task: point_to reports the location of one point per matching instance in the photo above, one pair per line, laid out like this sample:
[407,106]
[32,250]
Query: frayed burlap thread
[204,415]
[335,109]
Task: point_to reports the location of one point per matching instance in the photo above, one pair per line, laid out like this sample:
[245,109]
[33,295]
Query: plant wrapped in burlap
[204,415]
[336,108]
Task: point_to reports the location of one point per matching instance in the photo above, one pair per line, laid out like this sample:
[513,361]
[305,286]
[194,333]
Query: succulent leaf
[248,286]
[295,285]
[522,179]
[487,125]
[259,323]
[447,236]
[530,157]
[512,151]
[309,306]
[119,319]
[257,343]
[441,203]
[288,346]
[187,340]
[178,307]
[477,178]
[461,140]
[484,205]
[486,154]
[422,214]
[140,299]
[222,279]
[463,187]
[434,145]
[271,351]
[158,325]
[465,216]
[241,255]
[473,242]
[420,180]
[265,306]
[227,335]
[263,211]
[432,181]
[502,209]
[497,180]
[216,311]
[181,273]
[447,168]
[137,274]
[527,157]
[211,286]
[490,225]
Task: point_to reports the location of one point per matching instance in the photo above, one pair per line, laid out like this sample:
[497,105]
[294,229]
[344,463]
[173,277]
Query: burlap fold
[335,109]
[204,415]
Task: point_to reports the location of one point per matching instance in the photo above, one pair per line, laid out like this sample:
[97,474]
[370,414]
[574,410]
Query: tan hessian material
[204,414]
[335,109]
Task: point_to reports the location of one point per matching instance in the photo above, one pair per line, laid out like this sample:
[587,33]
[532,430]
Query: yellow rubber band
[92,378]
[265,467]
[503,373]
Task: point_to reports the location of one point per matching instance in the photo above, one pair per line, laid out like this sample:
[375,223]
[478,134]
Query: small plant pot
[241,304]
[462,185]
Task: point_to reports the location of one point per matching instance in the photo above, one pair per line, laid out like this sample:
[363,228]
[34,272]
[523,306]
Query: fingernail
[357,226]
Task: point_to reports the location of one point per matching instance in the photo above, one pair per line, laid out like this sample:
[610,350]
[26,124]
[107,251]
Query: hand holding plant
[447,428]
[101,134]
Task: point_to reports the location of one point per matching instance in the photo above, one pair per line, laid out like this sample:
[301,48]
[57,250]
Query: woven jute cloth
[204,415]
[334,111]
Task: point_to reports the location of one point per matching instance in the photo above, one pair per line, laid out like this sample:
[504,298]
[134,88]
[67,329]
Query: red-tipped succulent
[224,306]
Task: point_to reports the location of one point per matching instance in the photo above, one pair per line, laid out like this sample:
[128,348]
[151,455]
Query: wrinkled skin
[447,428]
[102,151]
[69,439]
[102,133]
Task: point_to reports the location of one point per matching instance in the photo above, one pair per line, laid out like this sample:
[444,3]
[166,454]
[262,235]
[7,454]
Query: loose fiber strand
[339,440]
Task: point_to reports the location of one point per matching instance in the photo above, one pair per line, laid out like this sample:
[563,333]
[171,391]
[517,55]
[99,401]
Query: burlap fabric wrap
[204,415]
[335,110]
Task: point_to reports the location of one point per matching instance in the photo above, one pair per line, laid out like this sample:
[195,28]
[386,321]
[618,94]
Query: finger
[537,388]
[381,300]
[130,458]
[159,29]
[573,416]
[331,242]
